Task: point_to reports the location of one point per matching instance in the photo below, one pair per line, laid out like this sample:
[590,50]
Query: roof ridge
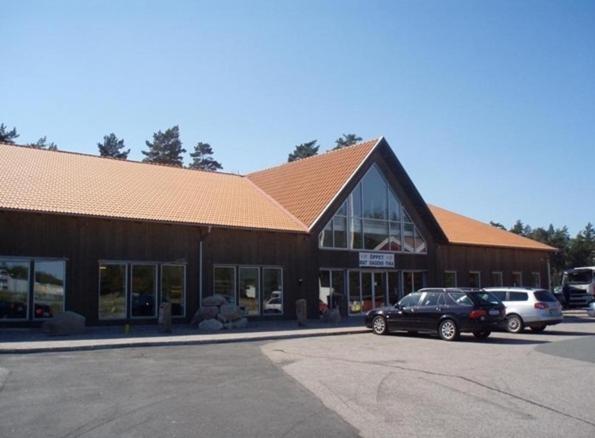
[83,154]
[300,160]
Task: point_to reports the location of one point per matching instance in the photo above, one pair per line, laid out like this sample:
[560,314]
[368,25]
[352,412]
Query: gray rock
[230,312]
[165,317]
[65,323]
[335,316]
[214,300]
[211,325]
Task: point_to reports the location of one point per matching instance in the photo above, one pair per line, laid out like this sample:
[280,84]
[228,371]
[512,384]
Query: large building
[112,239]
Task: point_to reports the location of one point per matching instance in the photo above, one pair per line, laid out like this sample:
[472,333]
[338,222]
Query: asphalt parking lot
[530,385]
[540,385]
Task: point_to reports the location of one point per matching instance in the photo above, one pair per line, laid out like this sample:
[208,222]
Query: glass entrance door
[367,290]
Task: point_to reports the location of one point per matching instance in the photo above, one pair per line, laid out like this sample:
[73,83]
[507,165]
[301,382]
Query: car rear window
[501,295]
[544,295]
[485,298]
[459,298]
[518,296]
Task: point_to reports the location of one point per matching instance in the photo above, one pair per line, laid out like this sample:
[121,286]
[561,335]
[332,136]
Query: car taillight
[476,314]
[541,306]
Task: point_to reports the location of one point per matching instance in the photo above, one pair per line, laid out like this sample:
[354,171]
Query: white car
[527,307]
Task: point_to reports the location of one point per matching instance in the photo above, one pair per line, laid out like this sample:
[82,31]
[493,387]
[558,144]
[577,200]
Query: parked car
[447,312]
[528,307]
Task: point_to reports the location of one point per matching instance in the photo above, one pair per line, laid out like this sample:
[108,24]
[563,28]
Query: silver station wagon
[527,307]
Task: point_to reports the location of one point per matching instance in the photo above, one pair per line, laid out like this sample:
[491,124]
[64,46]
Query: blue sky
[490,106]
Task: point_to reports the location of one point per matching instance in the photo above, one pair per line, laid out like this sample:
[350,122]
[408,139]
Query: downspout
[549,274]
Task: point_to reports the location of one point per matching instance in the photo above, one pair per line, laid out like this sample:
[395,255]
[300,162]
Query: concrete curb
[164,341]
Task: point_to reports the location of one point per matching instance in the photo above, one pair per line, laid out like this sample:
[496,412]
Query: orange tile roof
[306,187]
[71,183]
[466,231]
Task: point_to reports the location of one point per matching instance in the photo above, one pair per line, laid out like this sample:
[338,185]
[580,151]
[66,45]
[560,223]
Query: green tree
[346,140]
[7,136]
[581,251]
[304,150]
[520,228]
[166,148]
[497,225]
[202,158]
[113,147]
[42,143]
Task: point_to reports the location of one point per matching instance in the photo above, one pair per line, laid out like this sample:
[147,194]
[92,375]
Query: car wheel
[482,334]
[514,324]
[538,328]
[448,330]
[379,326]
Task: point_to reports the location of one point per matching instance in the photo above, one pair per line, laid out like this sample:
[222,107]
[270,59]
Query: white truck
[578,286]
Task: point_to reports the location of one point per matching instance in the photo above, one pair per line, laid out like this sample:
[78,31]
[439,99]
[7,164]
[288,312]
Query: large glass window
[450,279]
[272,291]
[355,300]
[250,290]
[144,291]
[393,287]
[517,279]
[535,279]
[497,279]
[474,279]
[373,218]
[48,288]
[173,287]
[112,291]
[225,282]
[14,289]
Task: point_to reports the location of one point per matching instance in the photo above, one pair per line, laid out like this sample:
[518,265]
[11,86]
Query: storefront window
[393,287]
[272,291]
[48,289]
[14,289]
[144,291]
[250,290]
[112,291]
[355,300]
[497,279]
[173,287]
[225,282]
[536,279]
[450,279]
[517,279]
[474,279]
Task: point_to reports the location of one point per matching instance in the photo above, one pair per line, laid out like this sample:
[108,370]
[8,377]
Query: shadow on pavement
[467,337]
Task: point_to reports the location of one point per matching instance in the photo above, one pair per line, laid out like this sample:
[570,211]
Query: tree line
[166,148]
[572,251]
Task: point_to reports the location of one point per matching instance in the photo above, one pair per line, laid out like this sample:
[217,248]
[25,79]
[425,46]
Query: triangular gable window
[373,218]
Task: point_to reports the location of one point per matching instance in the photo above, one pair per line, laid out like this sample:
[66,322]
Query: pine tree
[581,251]
[497,225]
[7,136]
[42,143]
[202,160]
[166,148]
[346,140]
[113,147]
[304,150]
[520,228]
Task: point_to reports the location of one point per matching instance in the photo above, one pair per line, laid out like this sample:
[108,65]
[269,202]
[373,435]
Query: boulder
[230,312]
[214,300]
[204,312]
[210,325]
[65,323]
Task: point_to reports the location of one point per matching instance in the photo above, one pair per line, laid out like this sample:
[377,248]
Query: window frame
[183,265]
[32,286]
[258,287]
[520,274]
[534,276]
[478,278]
[126,280]
[235,279]
[29,312]
[500,274]
[456,278]
[280,268]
